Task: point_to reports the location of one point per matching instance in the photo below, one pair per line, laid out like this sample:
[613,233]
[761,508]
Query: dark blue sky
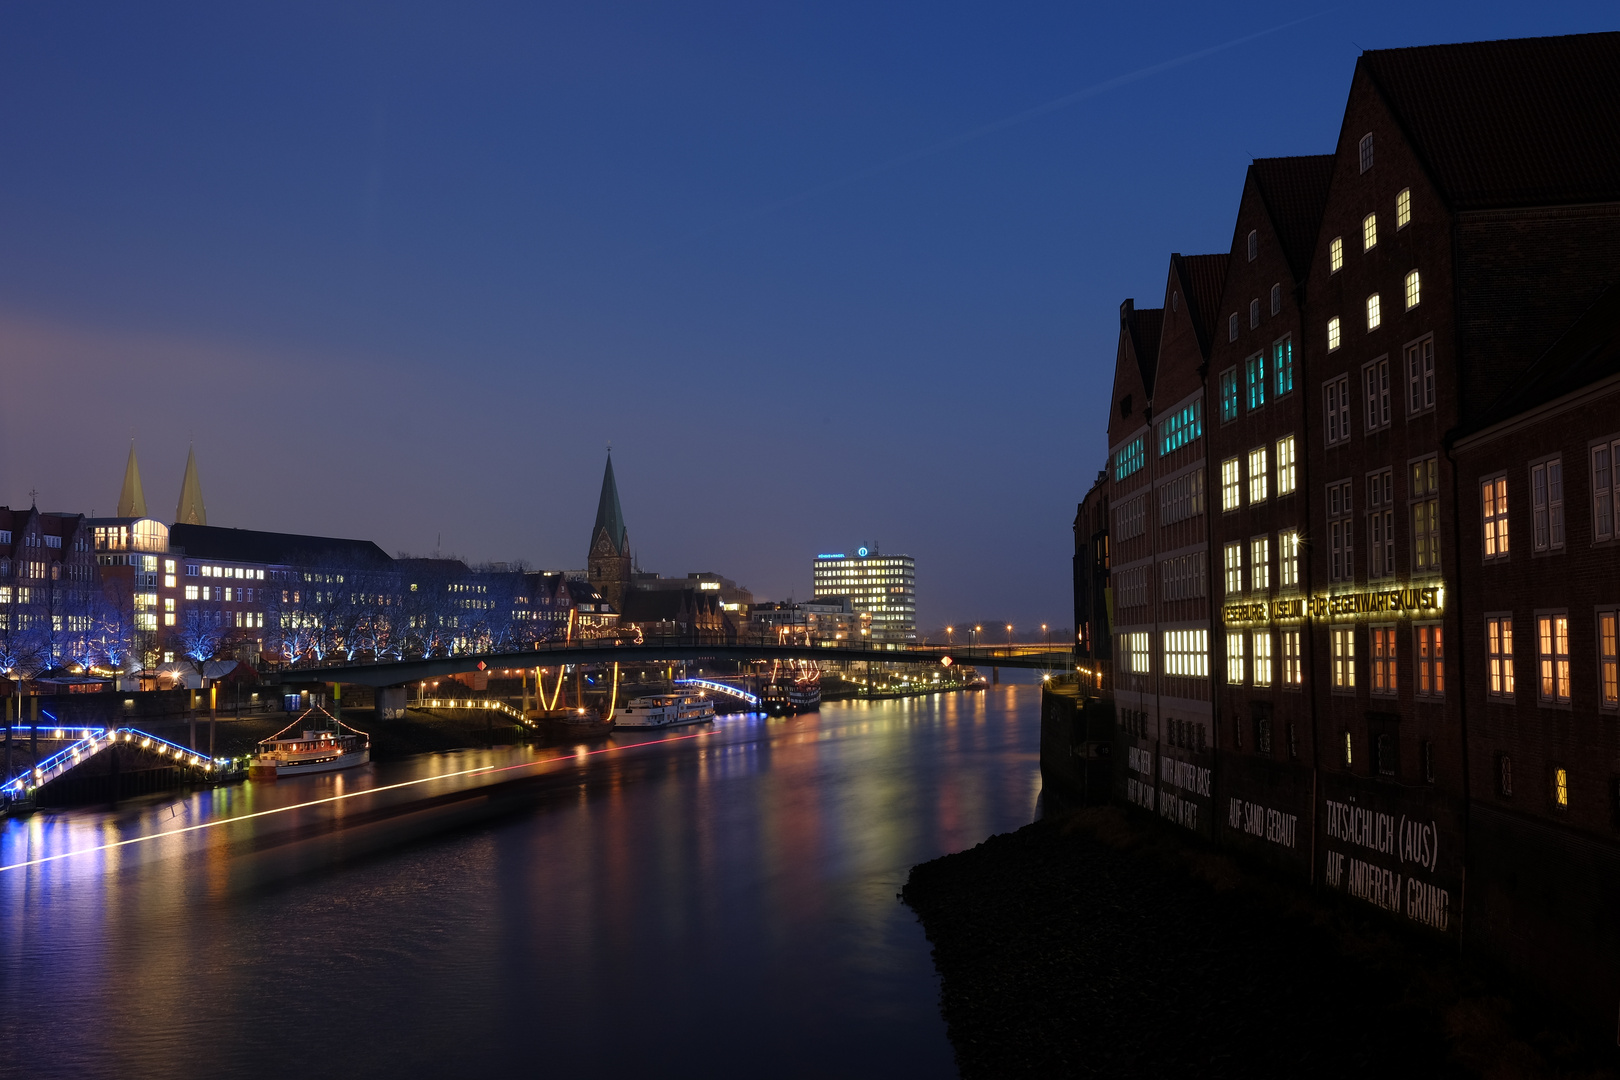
[401,271]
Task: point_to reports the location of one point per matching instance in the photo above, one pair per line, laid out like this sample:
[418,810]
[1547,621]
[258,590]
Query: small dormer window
[1366,152]
[1254,244]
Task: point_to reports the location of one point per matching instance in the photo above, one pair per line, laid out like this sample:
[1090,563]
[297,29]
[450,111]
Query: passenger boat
[786,696]
[327,748]
[665,710]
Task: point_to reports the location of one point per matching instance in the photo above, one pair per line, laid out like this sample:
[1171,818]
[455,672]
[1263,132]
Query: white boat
[333,746]
[665,710]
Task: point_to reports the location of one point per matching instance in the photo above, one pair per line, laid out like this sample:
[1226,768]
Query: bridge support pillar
[390,702]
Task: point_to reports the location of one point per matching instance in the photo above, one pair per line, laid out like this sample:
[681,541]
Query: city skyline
[569,246]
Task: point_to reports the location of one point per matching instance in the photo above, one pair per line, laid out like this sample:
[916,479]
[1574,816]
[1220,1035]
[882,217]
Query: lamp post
[1009,639]
[973,637]
[1047,636]
[949,639]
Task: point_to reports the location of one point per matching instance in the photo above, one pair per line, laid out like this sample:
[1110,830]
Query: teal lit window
[1131,457]
[1254,372]
[1229,395]
[1283,364]
[1181,428]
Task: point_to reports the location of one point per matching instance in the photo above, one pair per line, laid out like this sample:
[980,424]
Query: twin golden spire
[132,499]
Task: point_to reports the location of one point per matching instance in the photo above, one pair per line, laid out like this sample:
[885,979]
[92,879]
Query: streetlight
[973,636]
[1009,637]
[1047,636]
[949,639]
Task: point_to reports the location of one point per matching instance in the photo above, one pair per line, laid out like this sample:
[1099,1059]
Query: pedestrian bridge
[381,673]
[92,743]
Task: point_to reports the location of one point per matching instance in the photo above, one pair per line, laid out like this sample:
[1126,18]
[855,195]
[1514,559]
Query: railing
[93,741]
[489,704]
[720,688]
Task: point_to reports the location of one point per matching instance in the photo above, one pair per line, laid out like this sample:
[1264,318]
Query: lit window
[1229,395]
[1431,661]
[191,592]
[1499,652]
[1374,317]
[1231,484]
[1234,657]
[1231,327]
[1234,568]
[1608,657]
[1293,666]
[1282,362]
[1383,660]
[1333,334]
[1547,505]
[1336,255]
[1414,290]
[1420,376]
[1552,633]
[1254,379]
[1366,151]
[1343,641]
[168,580]
[1260,563]
[168,619]
[1561,787]
[1262,658]
[1403,208]
[1349,755]
[1288,559]
[1369,232]
[1493,507]
[1257,475]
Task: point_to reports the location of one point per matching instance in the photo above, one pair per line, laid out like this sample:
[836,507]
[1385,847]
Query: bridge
[382,673]
[95,742]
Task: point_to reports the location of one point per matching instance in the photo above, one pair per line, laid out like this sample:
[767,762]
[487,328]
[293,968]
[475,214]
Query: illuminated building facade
[1364,511]
[882,588]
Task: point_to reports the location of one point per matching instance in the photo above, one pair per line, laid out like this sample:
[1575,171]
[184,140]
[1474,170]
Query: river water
[712,902]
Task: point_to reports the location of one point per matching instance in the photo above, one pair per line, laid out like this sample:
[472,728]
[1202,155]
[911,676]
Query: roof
[1588,352]
[189,510]
[1295,191]
[284,549]
[609,515]
[1204,277]
[131,500]
[1146,326]
[1524,122]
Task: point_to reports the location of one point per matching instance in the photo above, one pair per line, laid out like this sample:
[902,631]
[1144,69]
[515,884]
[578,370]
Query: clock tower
[608,565]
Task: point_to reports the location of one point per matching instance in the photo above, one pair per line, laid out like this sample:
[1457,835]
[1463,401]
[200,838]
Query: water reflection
[704,906]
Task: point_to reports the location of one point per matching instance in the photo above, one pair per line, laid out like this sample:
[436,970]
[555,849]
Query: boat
[665,710]
[785,696]
[331,746]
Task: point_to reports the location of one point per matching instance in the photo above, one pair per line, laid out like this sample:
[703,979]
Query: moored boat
[665,710]
[331,746]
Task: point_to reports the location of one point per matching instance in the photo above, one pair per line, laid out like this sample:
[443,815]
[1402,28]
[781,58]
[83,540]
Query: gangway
[93,741]
[720,688]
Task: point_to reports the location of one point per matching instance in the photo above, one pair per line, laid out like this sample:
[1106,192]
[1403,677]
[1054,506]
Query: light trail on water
[490,769]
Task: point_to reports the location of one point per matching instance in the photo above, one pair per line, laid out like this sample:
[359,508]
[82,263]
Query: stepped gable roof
[1587,353]
[1295,191]
[1523,122]
[1145,327]
[609,515]
[282,549]
[1205,278]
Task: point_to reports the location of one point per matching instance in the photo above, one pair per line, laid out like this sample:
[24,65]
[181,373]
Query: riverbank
[1099,945]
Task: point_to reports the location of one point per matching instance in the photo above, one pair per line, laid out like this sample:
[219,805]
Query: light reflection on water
[713,906]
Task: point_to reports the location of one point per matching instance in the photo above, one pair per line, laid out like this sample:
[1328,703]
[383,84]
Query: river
[717,905]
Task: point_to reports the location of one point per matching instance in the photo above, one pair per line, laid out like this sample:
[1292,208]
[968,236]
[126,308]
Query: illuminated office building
[883,587]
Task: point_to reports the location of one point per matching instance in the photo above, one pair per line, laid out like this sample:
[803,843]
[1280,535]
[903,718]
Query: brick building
[1365,559]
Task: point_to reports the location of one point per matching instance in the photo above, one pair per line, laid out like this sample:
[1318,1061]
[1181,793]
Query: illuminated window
[1233,554]
[1254,378]
[191,592]
[1254,245]
[1493,508]
[1134,653]
[1262,658]
[1231,327]
[1609,658]
[1349,753]
[1288,559]
[1369,232]
[1499,655]
[1282,362]
[1552,633]
[1414,290]
[1424,489]
[168,619]
[1383,659]
[1547,505]
[1287,477]
[1333,334]
[168,581]
[1561,787]
[1606,490]
[1374,317]
[1176,431]
[1186,653]
[1343,642]
[1366,151]
[1293,668]
[1229,395]
[1234,657]
[1260,563]
[1431,661]
[1231,484]
[1127,459]
[1336,255]
[1336,399]
[1258,474]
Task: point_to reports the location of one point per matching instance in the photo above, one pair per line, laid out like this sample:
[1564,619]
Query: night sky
[823,274]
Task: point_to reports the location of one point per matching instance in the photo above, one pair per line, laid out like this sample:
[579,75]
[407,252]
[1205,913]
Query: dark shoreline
[1096,944]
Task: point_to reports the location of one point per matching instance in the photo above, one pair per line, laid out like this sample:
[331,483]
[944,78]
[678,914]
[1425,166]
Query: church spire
[132,500]
[609,516]
[191,511]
